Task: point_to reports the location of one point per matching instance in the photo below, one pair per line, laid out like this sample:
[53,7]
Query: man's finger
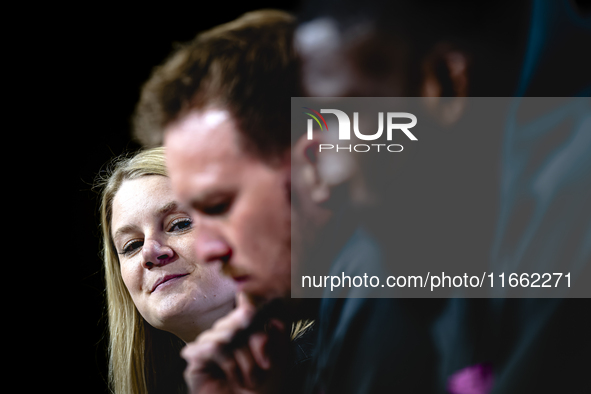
[244,302]
[249,369]
[258,344]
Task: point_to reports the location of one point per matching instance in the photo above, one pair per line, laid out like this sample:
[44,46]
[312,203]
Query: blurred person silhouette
[447,51]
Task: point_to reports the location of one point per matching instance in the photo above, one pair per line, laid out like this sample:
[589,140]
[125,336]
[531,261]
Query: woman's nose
[156,254]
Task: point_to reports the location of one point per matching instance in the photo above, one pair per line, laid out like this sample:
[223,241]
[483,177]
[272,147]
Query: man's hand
[230,358]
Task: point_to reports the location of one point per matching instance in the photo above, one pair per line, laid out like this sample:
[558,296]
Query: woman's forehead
[141,198]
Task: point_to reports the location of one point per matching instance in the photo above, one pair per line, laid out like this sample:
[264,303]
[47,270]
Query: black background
[105,54]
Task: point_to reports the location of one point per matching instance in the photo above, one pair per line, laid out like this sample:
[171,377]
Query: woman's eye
[132,246]
[180,225]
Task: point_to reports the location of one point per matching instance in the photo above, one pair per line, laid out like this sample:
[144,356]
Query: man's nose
[156,253]
[211,248]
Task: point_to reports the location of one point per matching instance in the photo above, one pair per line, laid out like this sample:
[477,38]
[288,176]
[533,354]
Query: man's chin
[279,308]
[260,298]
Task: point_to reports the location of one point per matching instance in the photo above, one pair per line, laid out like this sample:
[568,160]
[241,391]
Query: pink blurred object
[475,379]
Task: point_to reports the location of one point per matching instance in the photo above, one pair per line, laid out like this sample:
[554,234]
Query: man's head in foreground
[221,106]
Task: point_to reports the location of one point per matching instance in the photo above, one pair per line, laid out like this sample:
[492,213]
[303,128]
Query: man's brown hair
[247,66]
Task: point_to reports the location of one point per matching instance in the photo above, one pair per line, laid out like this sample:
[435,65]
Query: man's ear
[306,169]
[445,83]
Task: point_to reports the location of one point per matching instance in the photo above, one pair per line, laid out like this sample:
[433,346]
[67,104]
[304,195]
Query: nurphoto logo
[344,132]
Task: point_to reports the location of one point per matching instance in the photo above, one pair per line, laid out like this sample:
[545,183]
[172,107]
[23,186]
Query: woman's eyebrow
[171,206]
[123,230]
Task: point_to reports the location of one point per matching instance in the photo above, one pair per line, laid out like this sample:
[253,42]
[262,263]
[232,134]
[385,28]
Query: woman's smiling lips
[165,279]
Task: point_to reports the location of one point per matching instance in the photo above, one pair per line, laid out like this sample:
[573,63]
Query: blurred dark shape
[514,49]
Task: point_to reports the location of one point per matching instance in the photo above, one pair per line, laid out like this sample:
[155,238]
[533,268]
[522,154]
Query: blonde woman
[160,296]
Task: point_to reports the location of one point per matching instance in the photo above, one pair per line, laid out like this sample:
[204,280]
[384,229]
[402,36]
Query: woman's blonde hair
[136,349]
